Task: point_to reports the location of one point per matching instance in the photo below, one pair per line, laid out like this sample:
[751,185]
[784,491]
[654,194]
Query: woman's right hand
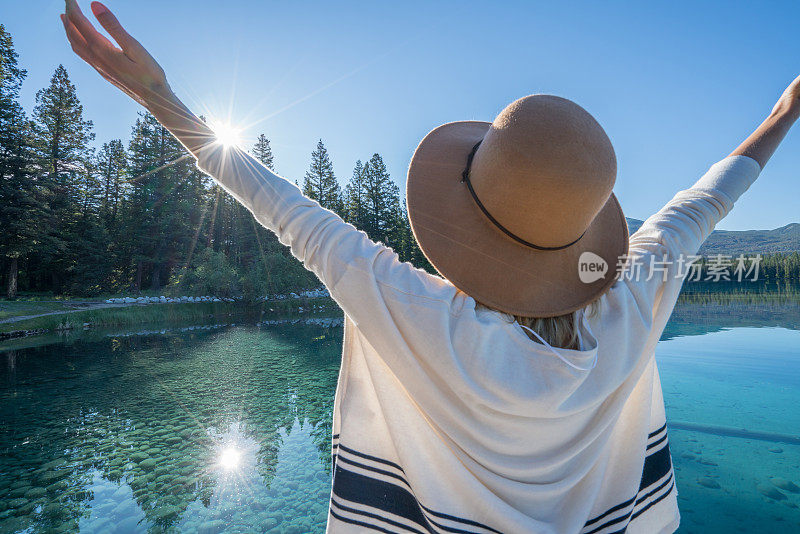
[134,71]
[130,67]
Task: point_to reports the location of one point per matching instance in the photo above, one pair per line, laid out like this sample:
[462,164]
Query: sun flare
[227,134]
[229,458]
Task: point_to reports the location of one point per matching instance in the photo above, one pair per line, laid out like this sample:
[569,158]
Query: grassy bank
[166,314]
[16,308]
[53,315]
[739,298]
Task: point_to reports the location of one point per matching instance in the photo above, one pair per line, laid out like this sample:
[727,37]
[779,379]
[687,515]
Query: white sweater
[449,418]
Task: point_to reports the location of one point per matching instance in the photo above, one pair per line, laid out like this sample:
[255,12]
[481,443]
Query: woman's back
[450,417]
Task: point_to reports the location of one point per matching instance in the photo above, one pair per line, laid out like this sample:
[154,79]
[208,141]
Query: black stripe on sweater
[657,442]
[381,495]
[654,433]
[656,466]
[361,523]
[655,501]
[627,517]
[368,457]
[370,515]
[390,497]
[429,512]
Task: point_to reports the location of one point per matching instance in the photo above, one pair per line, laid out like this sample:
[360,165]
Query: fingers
[92,37]
[79,46]
[114,28]
[75,38]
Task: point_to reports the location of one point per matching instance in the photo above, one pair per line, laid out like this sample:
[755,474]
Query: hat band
[465,178]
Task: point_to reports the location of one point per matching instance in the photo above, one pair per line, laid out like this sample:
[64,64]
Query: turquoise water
[744,380]
[226,428]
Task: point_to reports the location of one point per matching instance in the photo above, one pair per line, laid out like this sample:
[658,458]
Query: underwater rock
[102,524]
[139,457]
[163,470]
[121,492]
[166,512]
[148,464]
[771,492]
[52,465]
[707,482]
[121,509]
[55,475]
[166,479]
[211,527]
[688,456]
[786,485]
[35,493]
[53,510]
[19,491]
[707,462]
[776,450]
[129,524]
[17,503]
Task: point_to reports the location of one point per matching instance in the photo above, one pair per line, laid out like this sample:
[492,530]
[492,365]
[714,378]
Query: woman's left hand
[130,67]
[789,101]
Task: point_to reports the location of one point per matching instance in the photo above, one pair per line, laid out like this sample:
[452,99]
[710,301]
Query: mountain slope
[783,239]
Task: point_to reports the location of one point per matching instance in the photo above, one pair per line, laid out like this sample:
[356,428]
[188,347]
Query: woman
[449,416]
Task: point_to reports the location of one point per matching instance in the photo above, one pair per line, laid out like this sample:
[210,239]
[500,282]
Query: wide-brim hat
[519,213]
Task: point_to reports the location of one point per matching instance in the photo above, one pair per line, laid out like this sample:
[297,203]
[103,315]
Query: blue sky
[677,85]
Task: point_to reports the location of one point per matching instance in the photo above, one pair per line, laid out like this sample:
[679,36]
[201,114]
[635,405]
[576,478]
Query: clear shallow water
[744,380]
[227,429]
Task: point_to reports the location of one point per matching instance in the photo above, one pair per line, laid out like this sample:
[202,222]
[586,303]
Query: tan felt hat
[518,213]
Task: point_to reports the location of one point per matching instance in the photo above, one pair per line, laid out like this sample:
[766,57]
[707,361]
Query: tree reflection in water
[126,433]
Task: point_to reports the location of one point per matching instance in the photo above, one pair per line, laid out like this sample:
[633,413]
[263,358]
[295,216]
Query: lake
[221,428]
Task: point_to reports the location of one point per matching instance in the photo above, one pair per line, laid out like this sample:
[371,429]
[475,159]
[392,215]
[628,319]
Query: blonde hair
[560,331]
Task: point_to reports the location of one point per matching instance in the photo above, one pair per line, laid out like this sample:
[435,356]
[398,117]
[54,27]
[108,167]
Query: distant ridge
[730,242]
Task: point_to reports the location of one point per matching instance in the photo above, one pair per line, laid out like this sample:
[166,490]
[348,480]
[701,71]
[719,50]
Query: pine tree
[407,244]
[320,182]
[355,197]
[112,162]
[382,199]
[161,214]
[62,139]
[62,132]
[263,152]
[21,203]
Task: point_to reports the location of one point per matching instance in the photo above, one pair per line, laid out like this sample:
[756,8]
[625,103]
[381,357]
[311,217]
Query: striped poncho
[449,418]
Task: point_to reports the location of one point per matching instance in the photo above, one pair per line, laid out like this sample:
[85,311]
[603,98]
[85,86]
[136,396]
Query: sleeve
[669,240]
[364,277]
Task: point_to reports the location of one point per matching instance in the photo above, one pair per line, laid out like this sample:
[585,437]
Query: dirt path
[82,306]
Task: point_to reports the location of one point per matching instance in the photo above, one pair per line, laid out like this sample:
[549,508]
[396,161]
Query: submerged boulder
[786,485]
[707,482]
[771,492]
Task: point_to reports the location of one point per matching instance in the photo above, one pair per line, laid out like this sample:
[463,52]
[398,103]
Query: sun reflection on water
[229,458]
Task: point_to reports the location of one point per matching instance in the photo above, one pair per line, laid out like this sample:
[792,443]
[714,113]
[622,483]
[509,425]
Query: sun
[230,458]
[227,135]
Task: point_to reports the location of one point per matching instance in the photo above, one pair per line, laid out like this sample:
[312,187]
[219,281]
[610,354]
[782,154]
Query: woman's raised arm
[132,69]
[763,142]
[668,241]
[392,302]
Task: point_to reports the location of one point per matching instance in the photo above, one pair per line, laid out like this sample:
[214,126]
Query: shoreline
[105,314]
[85,314]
